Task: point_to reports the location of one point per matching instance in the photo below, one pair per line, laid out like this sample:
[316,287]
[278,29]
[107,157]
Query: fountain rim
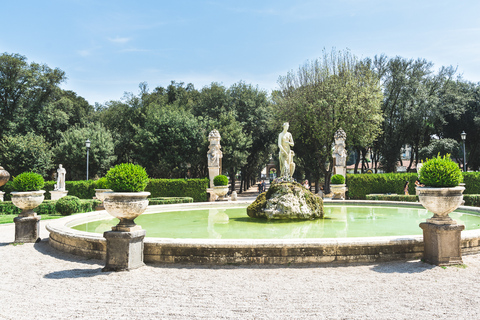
[356,249]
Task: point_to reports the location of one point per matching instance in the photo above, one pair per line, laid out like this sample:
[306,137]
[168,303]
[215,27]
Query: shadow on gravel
[75,273]
[403,267]
[44,248]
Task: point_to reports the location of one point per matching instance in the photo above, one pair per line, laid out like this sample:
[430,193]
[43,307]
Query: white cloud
[119,40]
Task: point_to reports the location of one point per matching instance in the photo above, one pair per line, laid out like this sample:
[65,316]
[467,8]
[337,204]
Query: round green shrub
[68,205]
[220,180]
[440,172]
[28,181]
[127,177]
[101,183]
[337,179]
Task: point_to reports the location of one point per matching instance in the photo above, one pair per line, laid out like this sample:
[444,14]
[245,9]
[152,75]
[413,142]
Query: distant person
[418,183]
[405,188]
[264,186]
[305,184]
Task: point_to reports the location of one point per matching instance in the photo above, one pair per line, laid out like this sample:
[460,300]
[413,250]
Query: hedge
[393,197]
[47,207]
[170,200]
[193,188]
[359,185]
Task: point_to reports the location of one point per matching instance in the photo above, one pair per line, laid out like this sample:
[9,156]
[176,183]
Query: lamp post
[464,137]
[87,143]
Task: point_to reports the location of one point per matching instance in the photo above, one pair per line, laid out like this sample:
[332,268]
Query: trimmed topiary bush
[68,205]
[28,181]
[127,177]
[220,180]
[440,172]
[101,183]
[337,179]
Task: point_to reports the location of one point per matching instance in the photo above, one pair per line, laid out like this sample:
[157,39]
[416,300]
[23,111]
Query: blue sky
[108,47]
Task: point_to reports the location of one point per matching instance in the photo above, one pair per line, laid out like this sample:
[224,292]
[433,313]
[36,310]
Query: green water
[339,222]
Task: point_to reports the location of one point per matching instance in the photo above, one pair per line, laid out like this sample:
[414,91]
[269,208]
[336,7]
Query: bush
[220,180]
[359,185]
[101,183]
[337,179]
[169,200]
[68,205]
[28,181]
[393,197]
[440,172]
[472,182]
[194,188]
[127,177]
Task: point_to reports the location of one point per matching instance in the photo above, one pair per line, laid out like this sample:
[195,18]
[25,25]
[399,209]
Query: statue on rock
[340,153]
[214,155]
[285,142]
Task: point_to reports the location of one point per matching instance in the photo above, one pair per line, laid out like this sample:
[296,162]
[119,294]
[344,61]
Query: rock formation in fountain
[286,200]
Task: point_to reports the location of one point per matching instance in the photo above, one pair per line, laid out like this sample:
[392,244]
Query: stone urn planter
[338,190]
[99,194]
[27,201]
[440,201]
[126,202]
[125,206]
[4,176]
[220,190]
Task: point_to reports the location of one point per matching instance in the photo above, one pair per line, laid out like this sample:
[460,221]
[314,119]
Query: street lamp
[87,143]
[464,137]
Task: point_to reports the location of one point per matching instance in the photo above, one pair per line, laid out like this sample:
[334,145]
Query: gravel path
[38,282]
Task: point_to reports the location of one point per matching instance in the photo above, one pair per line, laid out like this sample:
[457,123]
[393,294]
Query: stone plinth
[124,250]
[212,173]
[442,243]
[57,194]
[1,195]
[27,229]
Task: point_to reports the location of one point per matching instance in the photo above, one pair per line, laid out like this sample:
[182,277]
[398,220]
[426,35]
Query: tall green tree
[25,90]
[28,152]
[333,92]
[71,151]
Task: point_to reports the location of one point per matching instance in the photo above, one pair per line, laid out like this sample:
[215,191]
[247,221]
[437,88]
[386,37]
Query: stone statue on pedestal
[285,142]
[340,153]
[214,155]
[61,178]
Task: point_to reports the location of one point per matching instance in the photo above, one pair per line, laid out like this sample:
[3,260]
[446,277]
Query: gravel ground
[38,282]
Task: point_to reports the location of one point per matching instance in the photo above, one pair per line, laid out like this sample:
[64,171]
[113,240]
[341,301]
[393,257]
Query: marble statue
[285,142]
[214,155]
[340,153]
[60,178]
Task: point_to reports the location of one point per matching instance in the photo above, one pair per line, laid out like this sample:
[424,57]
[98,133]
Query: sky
[108,47]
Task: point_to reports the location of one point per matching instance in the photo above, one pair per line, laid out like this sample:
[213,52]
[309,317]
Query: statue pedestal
[57,194]
[442,243]
[124,250]
[340,170]
[212,173]
[27,229]
[1,195]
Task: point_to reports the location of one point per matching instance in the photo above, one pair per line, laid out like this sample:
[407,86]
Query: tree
[71,151]
[168,142]
[26,153]
[25,89]
[336,91]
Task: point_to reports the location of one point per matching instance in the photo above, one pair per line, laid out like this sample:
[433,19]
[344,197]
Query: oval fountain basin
[222,233]
[233,223]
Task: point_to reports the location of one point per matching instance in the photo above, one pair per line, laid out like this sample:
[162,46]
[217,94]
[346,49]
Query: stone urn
[440,201]
[338,190]
[220,190]
[4,176]
[125,206]
[27,201]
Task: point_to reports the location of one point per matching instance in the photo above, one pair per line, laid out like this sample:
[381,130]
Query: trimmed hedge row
[48,207]
[170,200]
[472,200]
[359,185]
[193,188]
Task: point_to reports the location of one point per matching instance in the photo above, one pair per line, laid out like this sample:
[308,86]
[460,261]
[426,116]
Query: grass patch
[8,218]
